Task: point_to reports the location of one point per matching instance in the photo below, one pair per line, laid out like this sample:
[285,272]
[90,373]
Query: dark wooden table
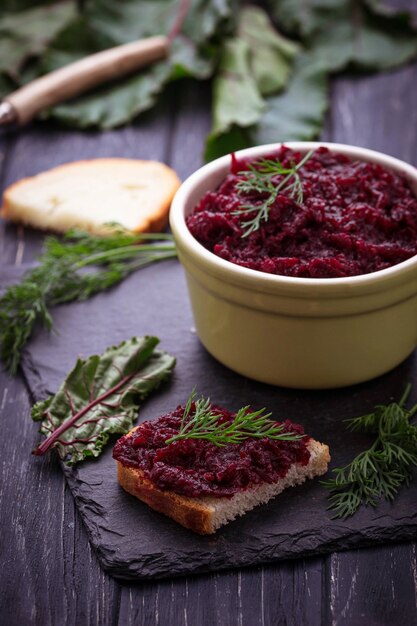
[49,574]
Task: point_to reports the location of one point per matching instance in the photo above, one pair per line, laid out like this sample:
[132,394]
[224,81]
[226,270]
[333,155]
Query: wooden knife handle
[78,77]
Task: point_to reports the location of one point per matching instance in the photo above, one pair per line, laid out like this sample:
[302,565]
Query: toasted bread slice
[87,195]
[206,514]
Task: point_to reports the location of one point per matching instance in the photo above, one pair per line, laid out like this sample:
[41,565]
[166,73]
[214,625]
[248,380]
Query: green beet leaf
[253,64]
[211,19]
[9,6]
[236,97]
[298,112]
[106,23]
[301,18]
[218,144]
[271,54]
[295,114]
[336,34]
[27,33]
[247,108]
[237,102]
[349,33]
[121,22]
[114,105]
[100,396]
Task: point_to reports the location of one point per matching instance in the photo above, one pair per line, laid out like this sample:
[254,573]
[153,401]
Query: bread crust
[188,512]
[163,177]
[199,514]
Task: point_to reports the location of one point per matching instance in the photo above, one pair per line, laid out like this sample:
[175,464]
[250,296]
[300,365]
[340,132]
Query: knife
[21,106]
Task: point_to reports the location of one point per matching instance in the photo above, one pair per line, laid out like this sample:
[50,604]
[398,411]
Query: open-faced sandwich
[203,466]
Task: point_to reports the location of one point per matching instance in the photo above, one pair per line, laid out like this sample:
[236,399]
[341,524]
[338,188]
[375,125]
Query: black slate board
[135,542]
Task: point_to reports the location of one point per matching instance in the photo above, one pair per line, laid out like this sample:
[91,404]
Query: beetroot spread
[196,467]
[354,218]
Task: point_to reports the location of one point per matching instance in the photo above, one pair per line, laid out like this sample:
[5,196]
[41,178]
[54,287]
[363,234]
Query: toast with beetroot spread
[203,485]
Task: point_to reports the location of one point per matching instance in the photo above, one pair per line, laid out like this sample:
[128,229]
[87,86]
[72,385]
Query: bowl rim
[374,281]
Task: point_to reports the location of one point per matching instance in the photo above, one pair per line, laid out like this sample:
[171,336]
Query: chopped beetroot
[196,467]
[354,218]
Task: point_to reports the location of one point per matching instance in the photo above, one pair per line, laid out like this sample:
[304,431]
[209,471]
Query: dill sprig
[72,268]
[201,421]
[380,471]
[260,180]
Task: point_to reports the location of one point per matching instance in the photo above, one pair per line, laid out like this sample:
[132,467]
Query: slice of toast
[87,195]
[206,514]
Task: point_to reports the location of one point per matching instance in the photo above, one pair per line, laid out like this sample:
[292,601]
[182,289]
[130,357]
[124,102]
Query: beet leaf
[100,396]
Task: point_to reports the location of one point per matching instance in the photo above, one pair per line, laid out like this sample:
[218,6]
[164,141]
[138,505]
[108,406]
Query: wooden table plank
[377,112]
[377,586]
[8,232]
[191,125]
[289,593]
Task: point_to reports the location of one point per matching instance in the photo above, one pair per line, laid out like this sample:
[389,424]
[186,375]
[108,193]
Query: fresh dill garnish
[201,421]
[72,268]
[380,471]
[259,180]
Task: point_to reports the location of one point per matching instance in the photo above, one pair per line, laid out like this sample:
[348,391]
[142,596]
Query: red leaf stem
[184,6]
[54,436]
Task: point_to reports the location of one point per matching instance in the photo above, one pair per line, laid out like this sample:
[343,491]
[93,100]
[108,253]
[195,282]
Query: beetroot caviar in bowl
[333,217]
[343,315]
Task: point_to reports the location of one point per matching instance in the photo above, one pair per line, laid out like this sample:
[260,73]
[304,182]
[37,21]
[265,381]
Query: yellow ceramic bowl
[296,332]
